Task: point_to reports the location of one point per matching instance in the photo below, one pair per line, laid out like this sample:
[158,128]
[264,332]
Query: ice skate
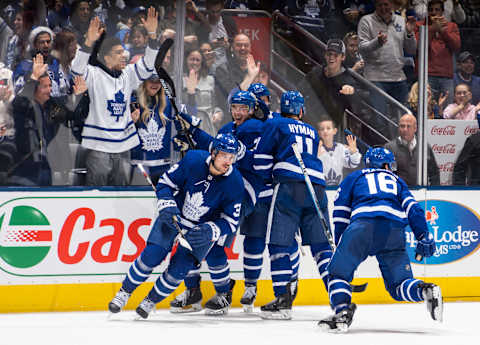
[432,294]
[119,301]
[339,322]
[188,301]
[220,303]
[145,307]
[294,289]
[248,298]
[280,308]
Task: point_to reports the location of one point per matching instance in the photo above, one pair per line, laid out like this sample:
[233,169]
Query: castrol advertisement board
[446,138]
[90,238]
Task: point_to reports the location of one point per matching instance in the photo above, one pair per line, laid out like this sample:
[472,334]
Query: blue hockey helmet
[291,102]
[259,90]
[377,157]
[244,97]
[225,142]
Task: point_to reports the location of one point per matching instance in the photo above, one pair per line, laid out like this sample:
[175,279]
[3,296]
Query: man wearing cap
[40,41]
[329,87]
[464,75]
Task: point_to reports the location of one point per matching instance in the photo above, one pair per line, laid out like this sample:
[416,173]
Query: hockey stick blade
[359,288]
[181,239]
[162,52]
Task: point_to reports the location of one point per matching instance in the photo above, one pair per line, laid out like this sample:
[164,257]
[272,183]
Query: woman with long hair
[64,49]
[151,112]
[199,91]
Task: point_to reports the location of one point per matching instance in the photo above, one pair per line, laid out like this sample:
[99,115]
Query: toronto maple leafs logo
[117,106]
[332,178]
[192,206]
[152,137]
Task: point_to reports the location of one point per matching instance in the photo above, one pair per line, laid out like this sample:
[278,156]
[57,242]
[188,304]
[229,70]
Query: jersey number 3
[385,182]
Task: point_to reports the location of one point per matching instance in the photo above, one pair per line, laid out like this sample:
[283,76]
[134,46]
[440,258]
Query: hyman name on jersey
[301,129]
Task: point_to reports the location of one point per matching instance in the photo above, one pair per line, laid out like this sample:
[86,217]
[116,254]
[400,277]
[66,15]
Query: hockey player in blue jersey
[253,220]
[292,207]
[371,210]
[204,192]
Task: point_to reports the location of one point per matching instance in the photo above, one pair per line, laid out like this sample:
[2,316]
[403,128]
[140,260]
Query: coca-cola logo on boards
[471,130]
[447,130]
[446,167]
[444,149]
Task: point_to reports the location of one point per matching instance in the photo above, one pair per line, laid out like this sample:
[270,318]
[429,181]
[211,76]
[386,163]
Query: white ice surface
[402,324]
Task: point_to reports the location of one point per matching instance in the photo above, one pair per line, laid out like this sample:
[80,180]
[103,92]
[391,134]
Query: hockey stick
[170,88]
[180,237]
[323,221]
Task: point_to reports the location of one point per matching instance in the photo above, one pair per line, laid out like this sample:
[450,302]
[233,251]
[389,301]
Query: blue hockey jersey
[154,147]
[249,134]
[200,196]
[274,154]
[371,193]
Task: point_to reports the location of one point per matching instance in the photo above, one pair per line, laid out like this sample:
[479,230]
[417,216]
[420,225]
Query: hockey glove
[167,208]
[186,122]
[180,143]
[203,234]
[426,245]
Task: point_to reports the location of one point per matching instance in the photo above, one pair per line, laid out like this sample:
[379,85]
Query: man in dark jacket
[467,167]
[37,122]
[329,87]
[405,150]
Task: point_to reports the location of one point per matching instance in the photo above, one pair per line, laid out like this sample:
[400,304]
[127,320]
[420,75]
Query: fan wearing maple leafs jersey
[153,120]
[334,155]
[109,132]
[204,191]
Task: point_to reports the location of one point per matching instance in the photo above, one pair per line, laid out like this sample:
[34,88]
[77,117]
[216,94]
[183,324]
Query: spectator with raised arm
[453,10]
[329,87]
[385,38]
[239,71]
[40,41]
[334,155]
[109,132]
[462,109]
[38,119]
[218,29]
[199,91]
[353,59]
[444,42]
[434,108]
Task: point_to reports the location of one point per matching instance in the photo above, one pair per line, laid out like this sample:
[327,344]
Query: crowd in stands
[80,102]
